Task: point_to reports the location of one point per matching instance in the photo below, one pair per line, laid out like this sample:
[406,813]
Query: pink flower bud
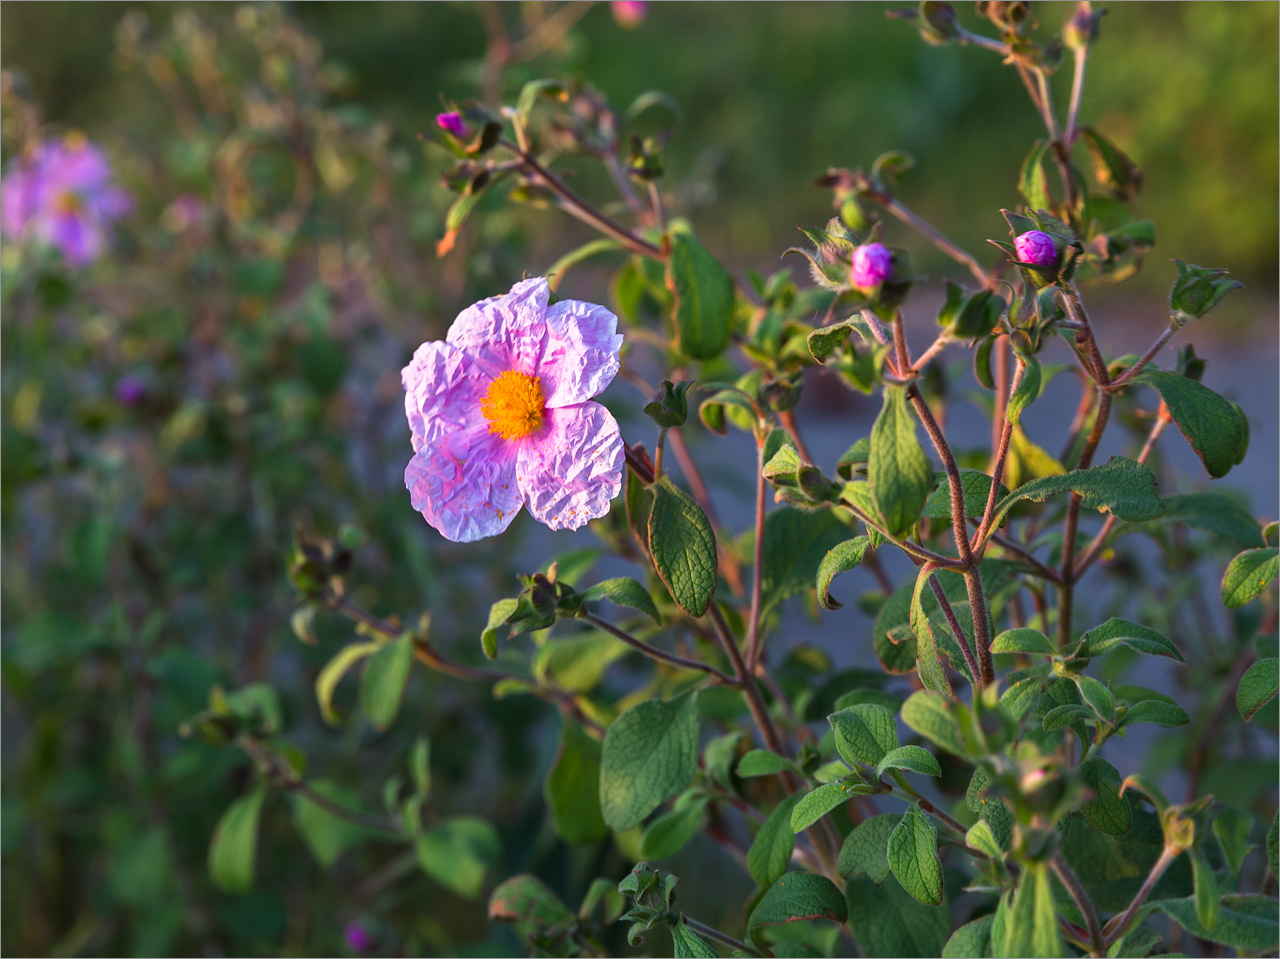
[872,264]
[1036,248]
[451,122]
[358,938]
[629,13]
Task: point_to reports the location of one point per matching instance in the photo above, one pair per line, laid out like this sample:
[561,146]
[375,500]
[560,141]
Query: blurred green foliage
[772,99]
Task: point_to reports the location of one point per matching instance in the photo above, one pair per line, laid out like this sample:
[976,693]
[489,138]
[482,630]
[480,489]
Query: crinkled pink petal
[580,355]
[504,332]
[464,484]
[79,239]
[442,392]
[571,469]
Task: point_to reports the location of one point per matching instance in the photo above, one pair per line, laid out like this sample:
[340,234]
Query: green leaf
[1028,389]
[864,733]
[1154,711]
[1024,691]
[703,298]
[499,613]
[1024,641]
[333,672]
[970,941]
[1245,922]
[796,543]
[526,901]
[1273,844]
[1210,423]
[761,762]
[825,340]
[886,921]
[839,559]
[1120,486]
[1248,574]
[982,837]
[797,896]
[385,676]
[1096,696]
[1033,182]
[976,487]
[1212,512]
[718,757]
[913,857]
[1103,639]
[650,754]
[687,944]
[817,804]
[1198,289]
[624,592]
[928,665]
[934,717]
[577,664]
[683,547]
[770,853]
[1257,687]
[1206,889]
[866,849]
[233,847]
[325,834]
[911,758]
[1066,715]
[458,852]
[572,787]
[898,469]
[1111,166]
[1031,922]
[1107,811]
[1231,827]
[668,834]
[529,93]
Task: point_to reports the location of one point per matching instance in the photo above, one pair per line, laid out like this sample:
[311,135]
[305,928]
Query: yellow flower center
[513,405]
[67,202]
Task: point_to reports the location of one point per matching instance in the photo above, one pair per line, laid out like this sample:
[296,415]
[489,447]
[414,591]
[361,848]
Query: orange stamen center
[513,405]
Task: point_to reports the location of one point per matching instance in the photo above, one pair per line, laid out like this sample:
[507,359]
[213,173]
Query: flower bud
[451,122]
[629,13]
[358,938]
[872,264]
[1081,30]
[1036,248]
[130,390]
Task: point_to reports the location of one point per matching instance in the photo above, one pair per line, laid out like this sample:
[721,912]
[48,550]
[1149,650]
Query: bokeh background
[146,543]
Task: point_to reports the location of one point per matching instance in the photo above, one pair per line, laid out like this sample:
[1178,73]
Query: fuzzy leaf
[1248,574]
[1107,811]
[1114,632]
[572,788]
[1258,687]
[976,486]
[1120,486]
[913,857]
[866,849]
[385,677]
[1023,640]
[898,469]
[797,896]
[770,853]
[839,559]
[650,754]
[683,547]
[1210,423]
[233,846]
[864,733]
[624,592]
[813,806]
[886,921]
[1245,922]
[911,758]
[703,294]
[761,762]
[687,944]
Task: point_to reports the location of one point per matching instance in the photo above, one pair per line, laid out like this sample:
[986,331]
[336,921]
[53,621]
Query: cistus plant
[964,801]
[972,797]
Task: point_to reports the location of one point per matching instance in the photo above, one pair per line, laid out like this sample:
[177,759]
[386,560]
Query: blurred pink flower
[62,196]
[629,13]
[451,122]
[501,415]
[358,938]
[872,263]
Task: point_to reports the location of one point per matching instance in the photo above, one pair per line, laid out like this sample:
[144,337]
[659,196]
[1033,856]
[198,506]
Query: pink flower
[629,13]
[872,264]
[501,415]
[62,196]
[451,122]
[1036,248]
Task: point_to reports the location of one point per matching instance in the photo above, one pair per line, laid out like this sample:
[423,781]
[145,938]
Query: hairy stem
[1146,358]
[653,652]
[1002,450]
[965,649]
[1118,926]
[1077,88]
[1067,573]
[757,568]
[923,227]
[746,682]
[1083,903]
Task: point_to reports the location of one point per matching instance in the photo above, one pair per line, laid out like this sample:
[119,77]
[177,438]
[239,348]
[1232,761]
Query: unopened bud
[1081,30]
[629,13]
[451,122]
[872,264]
[1036,248]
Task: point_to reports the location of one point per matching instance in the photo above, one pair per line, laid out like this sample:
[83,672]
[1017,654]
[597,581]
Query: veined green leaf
[897,468]
[913,857]
[683,547]
[650,754]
